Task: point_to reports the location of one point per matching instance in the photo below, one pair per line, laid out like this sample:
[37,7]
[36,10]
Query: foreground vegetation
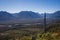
[52,33]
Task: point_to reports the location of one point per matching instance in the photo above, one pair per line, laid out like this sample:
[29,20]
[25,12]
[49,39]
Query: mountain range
[26,16]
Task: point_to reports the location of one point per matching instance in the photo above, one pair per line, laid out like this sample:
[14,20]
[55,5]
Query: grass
[53,33]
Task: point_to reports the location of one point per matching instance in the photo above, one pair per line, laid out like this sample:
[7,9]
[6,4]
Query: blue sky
[41,6]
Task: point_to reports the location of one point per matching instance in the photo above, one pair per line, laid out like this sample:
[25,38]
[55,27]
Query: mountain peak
[57,12]
[3,12]
[5,15]
[28,14]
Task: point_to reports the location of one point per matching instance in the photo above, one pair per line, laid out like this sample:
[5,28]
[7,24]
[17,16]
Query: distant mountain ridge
[56,14]
[53,15]
[5,15]
[26,16]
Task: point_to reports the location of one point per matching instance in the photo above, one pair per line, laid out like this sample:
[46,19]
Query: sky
[41,6]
